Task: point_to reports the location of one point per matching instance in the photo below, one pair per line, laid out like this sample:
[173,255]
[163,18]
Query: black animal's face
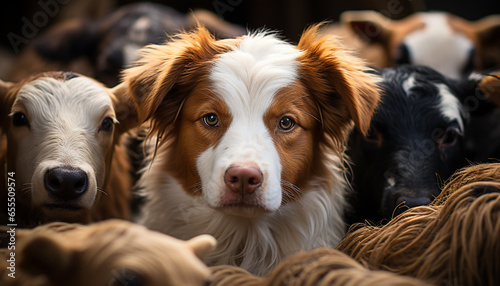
[415,142]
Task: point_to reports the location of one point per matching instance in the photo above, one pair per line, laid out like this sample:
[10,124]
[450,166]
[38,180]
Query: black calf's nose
[414,202]
[66,183]
[243,179]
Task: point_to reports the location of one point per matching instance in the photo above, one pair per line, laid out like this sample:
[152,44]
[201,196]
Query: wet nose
[66,183]
[244,180]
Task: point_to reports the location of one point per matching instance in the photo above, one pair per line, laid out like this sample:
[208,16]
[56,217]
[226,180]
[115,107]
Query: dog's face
[416,139]
[61,133]
[242,121]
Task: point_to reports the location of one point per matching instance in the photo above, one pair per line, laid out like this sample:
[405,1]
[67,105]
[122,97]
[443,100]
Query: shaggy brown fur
[113,252]
[454,240]
[322,266]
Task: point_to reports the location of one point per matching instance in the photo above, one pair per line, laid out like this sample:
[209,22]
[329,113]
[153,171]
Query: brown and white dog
[251,135]
[60,137]
[445,42]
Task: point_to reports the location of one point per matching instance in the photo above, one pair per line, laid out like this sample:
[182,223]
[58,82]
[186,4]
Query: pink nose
[244,180]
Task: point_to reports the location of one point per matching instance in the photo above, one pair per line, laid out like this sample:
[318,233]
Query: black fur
[412,147]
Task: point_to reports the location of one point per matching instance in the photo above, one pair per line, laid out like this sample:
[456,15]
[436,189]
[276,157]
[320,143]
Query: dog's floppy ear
[163,76]
[124,108]
[343,86]
[202,245]
[490,86]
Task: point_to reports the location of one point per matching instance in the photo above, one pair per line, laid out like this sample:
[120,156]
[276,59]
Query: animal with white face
[447,43]
[63,151]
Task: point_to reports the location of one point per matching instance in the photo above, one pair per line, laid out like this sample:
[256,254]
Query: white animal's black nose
[66,183]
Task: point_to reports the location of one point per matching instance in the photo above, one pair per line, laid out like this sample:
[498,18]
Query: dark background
[290,17]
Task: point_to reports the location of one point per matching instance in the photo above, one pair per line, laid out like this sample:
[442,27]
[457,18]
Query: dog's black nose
[66,183]
[243,179]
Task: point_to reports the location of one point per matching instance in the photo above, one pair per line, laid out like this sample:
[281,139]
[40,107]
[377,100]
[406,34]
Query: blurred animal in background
[112,252]
[321,266]
[447,43]
[100,49]
[454,241]
[416,141]
[249,136]
[63,149]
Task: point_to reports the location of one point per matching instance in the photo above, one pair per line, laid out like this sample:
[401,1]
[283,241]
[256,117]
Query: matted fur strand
[454,241]
[319,267]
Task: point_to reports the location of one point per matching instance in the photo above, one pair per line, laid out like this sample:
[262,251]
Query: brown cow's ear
[488,32]
[43,255]
[371,27]
[345,89]
[220,28]
[490,86]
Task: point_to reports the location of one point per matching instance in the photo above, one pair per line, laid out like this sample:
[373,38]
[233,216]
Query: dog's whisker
[102,191]
[314,117]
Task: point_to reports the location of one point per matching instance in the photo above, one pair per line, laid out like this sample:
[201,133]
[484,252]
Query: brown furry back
[454,240]
[322,266]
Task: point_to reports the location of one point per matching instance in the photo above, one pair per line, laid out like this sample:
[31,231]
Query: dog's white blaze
[438,46]
[64,117]
[450,106]
[247,78]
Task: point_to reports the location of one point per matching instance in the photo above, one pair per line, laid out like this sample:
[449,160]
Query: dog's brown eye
[211,120]
[107,125]
[19,119]
[286,123]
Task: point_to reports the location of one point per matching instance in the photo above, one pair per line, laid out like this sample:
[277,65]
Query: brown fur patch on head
[164,75]
[298,148]
[107,252]
[339,82]
[453,241]
[322,266]
[196,136]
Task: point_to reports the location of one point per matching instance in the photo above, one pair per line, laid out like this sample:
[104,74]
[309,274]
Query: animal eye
[374,137]
[450,137]
[107,125]
[286,123]
[19,119]
[211,120]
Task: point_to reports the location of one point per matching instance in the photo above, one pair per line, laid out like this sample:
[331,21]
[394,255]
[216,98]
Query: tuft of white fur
[450,106]
[438,46]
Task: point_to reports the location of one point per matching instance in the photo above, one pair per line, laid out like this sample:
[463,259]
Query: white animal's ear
[202,245]
[490,86]
[372,27]
[125,110]
[7,97]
